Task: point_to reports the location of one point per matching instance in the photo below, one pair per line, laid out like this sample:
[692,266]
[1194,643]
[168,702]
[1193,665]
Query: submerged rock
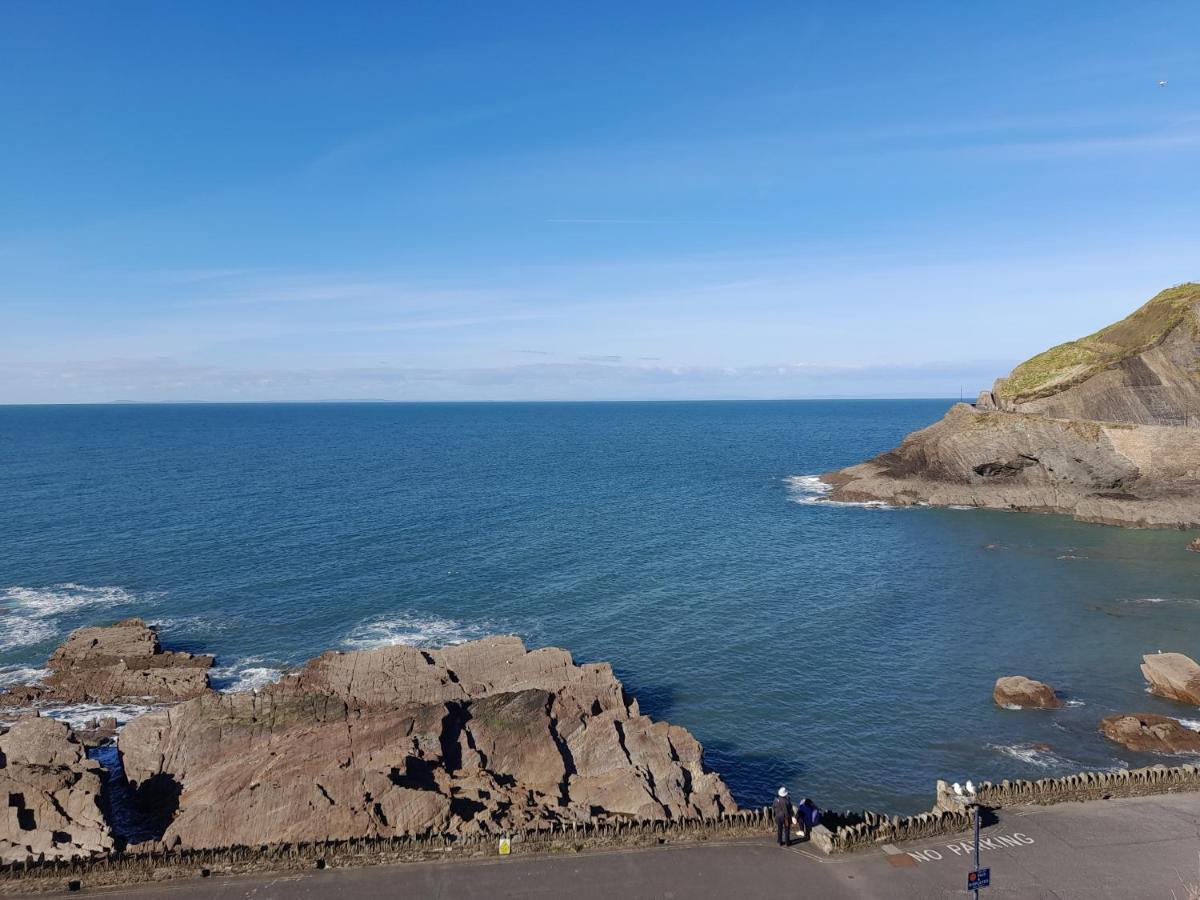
[51,792]
[114,664]
[1017,690]
[1173,675]
[1097,428]
[480,737]
[1150,732]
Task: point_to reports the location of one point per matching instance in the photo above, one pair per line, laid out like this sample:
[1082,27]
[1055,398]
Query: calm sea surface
[848,652]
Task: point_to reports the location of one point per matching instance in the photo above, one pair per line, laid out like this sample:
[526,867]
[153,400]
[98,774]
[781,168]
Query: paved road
[1146,847]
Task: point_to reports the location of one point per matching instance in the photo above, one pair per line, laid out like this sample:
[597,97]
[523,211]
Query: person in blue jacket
[807,816]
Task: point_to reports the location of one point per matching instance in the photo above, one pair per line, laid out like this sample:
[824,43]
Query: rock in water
[112,664]
[479,737]
[1173,675]
[51,793]
[1150,732]
[1017,690]
[1104,429]
[1194,546]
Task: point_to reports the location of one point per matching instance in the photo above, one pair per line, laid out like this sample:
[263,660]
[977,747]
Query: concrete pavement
[1144,847]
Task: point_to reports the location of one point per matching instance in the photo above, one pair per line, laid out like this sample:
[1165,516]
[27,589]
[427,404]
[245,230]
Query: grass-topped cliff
[1068,364]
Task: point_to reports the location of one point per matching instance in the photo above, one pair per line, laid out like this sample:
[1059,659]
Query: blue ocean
[846,651]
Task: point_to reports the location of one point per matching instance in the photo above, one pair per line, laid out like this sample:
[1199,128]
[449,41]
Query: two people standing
[804,816]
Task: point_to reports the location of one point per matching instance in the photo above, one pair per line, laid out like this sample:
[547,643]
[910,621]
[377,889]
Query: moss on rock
[1068,364]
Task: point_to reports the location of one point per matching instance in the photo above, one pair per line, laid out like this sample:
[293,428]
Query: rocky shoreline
[400,752]
[481,738]
[1105,429]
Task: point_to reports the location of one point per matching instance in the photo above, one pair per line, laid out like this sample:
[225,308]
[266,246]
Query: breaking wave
[811,489]
[1032,754]
[247,674]
[27,614]
[414,631]
[77,715]
[21,675]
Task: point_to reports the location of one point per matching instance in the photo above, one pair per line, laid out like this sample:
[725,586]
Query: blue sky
[220,201]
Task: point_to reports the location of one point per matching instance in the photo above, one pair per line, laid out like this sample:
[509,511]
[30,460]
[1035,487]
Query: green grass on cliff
[1067,364]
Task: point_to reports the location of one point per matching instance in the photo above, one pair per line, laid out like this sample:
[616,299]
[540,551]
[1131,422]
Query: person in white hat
[782,807]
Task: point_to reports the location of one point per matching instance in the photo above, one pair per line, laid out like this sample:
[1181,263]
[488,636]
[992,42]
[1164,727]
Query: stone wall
[839,832]
[850,831]
[158,863]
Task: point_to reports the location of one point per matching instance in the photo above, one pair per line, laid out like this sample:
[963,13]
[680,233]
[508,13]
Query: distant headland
[1105,428]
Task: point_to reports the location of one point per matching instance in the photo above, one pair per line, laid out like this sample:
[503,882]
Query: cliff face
[1142,370]
[1106,429]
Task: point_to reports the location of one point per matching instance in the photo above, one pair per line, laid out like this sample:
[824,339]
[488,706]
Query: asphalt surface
[1145,847]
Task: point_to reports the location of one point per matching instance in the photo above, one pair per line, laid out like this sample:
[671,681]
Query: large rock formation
[112,664]
[479,737]
[51,794]
[1017,690]
[1106,429]
[1173,675]
[1150,732]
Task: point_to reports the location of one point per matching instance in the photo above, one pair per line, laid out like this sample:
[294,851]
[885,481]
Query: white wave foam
[1074,703]
[811,489]
[18,632]
[1193,724]
[414,631]
[191,625]
[21,675]
[77,715]
[26,613]
[1161,600]
[57,599]
[244,675]
[1032,754]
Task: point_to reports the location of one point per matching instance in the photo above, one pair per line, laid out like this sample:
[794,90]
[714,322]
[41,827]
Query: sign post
[977,878]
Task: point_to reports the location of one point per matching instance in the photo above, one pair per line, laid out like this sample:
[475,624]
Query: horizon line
[383,402]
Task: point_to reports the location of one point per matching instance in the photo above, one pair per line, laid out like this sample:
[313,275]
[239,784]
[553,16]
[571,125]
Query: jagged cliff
[1105,428]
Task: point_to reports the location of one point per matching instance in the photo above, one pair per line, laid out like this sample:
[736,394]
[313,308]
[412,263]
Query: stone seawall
[160,863]
[841,832]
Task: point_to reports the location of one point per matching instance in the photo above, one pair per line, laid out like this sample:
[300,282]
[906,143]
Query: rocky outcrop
[481,737]
[1103,429]
[115,663]
[51,793]
[1017,690]
[1194,545]
[1150,732]
[1173,675]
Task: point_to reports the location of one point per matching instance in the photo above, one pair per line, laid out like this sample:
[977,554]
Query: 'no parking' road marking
[1014,841]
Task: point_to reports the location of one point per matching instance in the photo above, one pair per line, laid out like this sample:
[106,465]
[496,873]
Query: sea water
[848,652]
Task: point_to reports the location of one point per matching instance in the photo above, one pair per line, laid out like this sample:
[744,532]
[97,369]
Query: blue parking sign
[980,878]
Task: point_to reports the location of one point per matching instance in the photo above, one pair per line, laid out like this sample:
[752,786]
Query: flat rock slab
[121,663]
